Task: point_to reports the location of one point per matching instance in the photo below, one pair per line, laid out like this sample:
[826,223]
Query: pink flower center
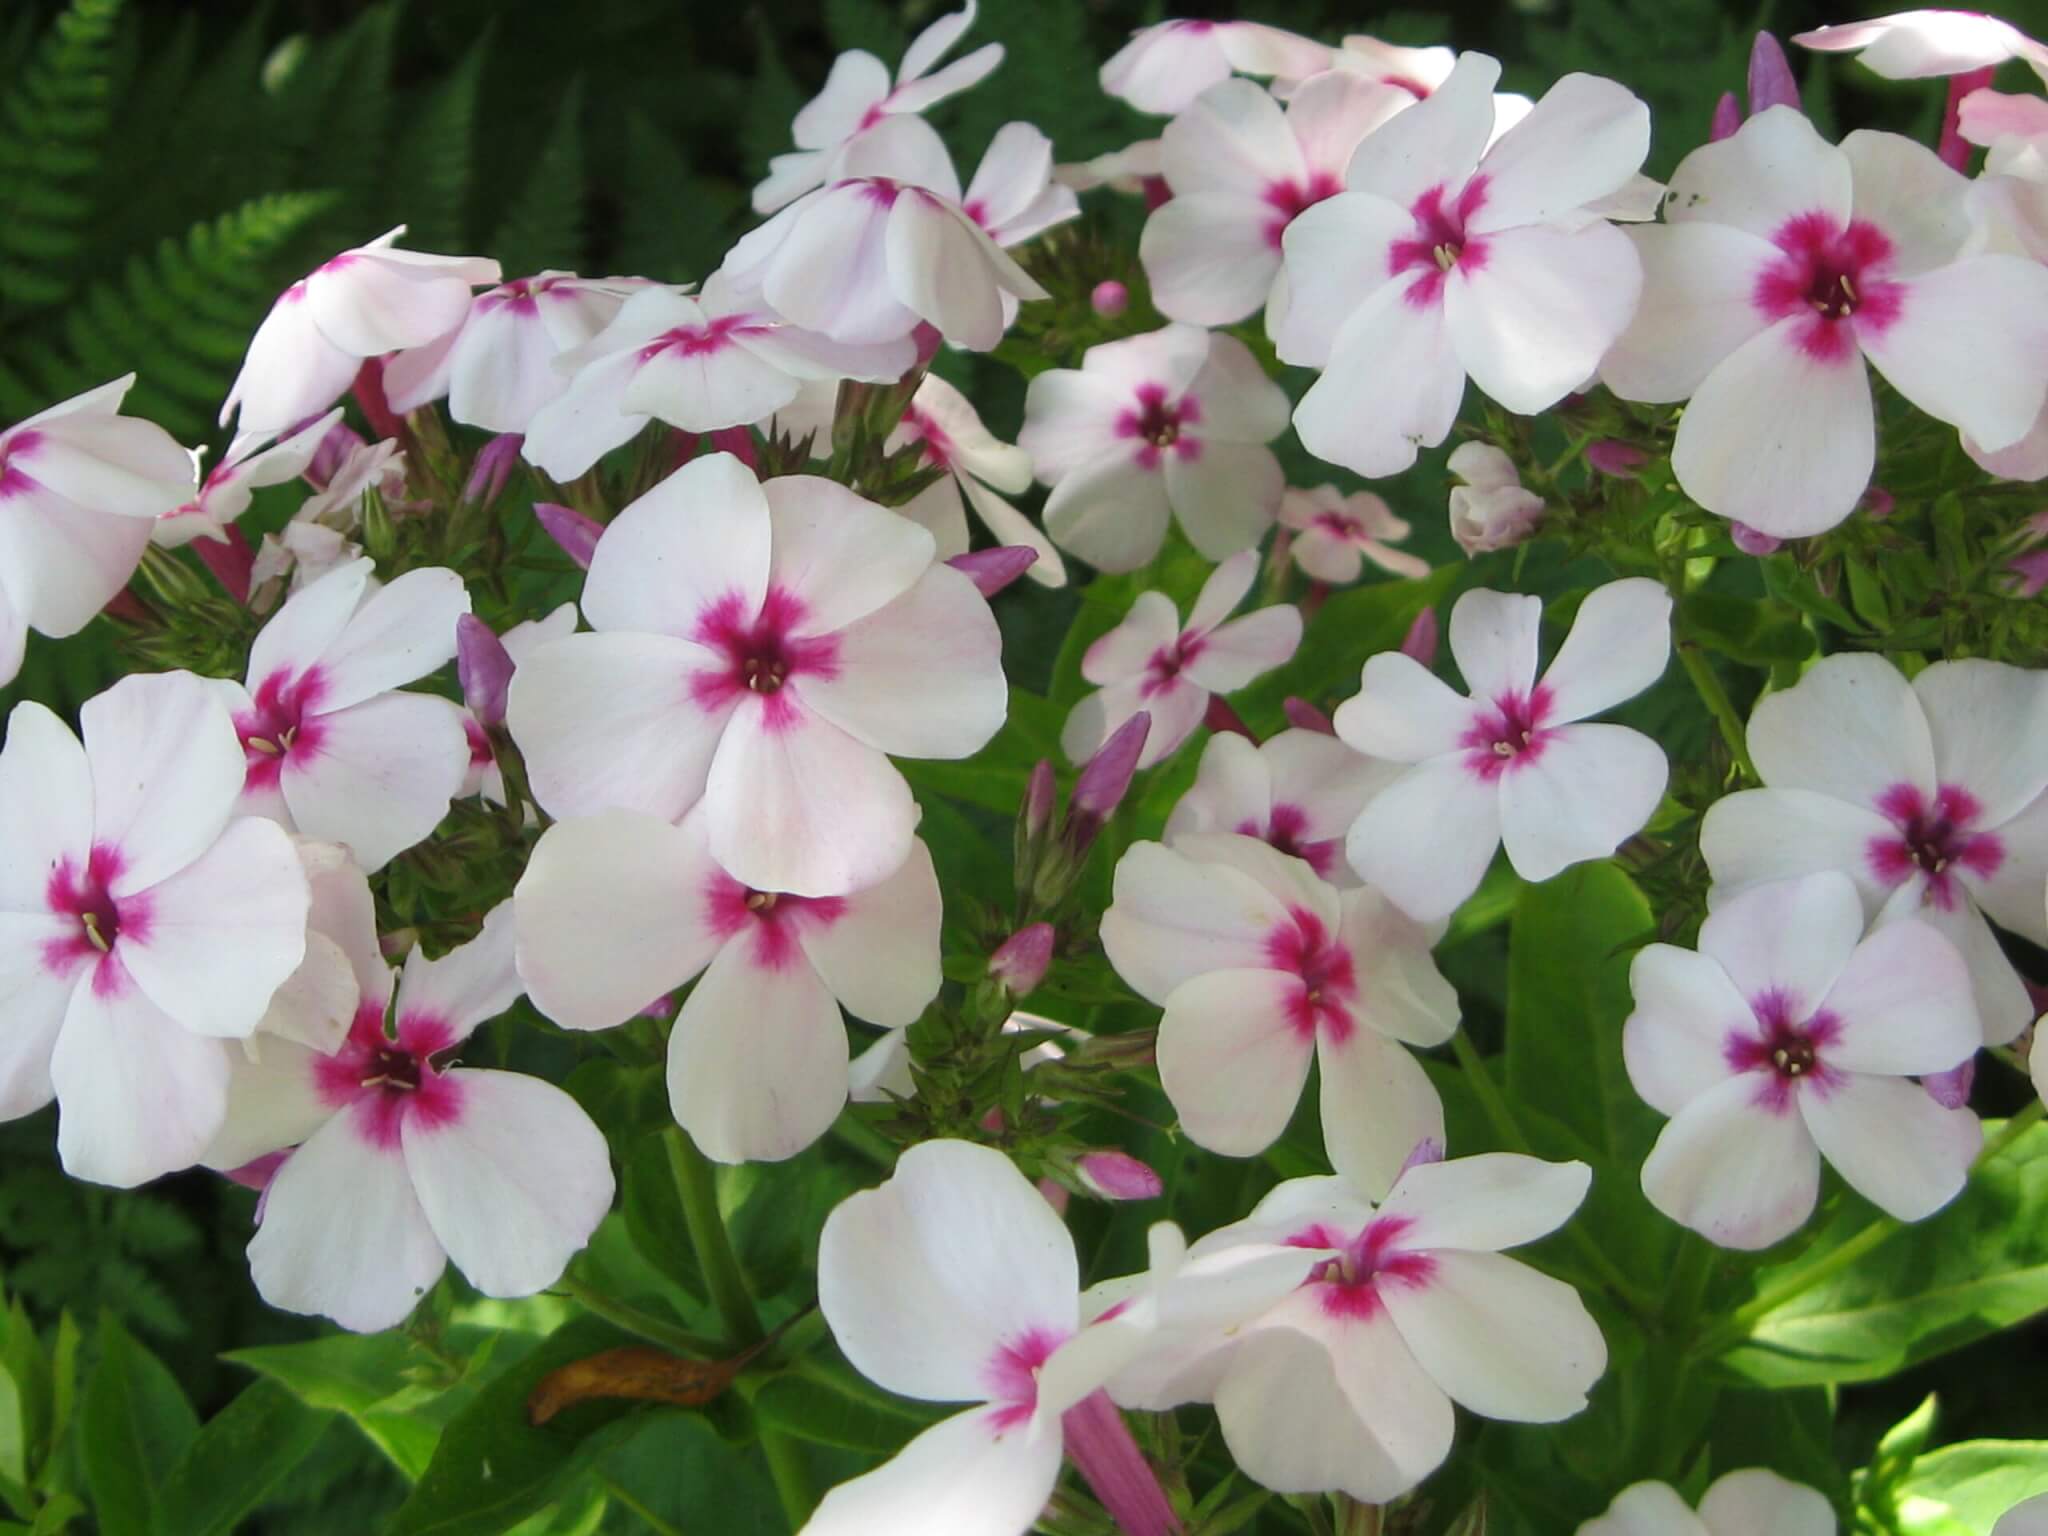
[1349,1282]
[86,896]
[880,190]
[770,920]
[1287,829]
[1509,734]
[1167,663]
[1341,526]
[1783,1047]
[1328,981]
[1012,1374]
[714,335]
[383,1080]
[938,448]
[763,654]
[1289,199]
[1440,242]
[281,724]
[1938,840]
[1159,422]
[14,480]
[1828,273]
[522,294]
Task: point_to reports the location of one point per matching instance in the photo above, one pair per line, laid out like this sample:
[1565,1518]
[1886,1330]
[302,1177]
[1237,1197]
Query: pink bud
[991,570]
[1954,149]
[1951,1089]
[1110,299]
[257,1175]
[928,341]
[1878,503]
[1020,962]
[1102,1449]
[1221,718]
[334,450]
[1118,1176]
[2030,572]
[1157,193]
[1727,117]
[577,534]
[1427,1150]
[1419,644]
[231,560]
[1106,776]
[739,442]
[1611,456]
[1753,541]
[493,467]
[484,668]
[1040,794]
[1770,76]
[660,1008]
[1304,716]
[1055,1193]
[369,392]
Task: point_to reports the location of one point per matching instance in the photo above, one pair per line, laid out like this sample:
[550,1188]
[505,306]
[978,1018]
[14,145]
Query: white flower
[1150,663]
[252,461]
[1262,968]
[1299,791]
[1788,1037]
[1171,423]
[1164,67]
[333,750]
[141,925]
[1335,534]
[363,303]
[1784,265]
[1911,45]
[1752,1502]
[81,489]
[1491,509]
[1013,193]
[977,468]
[753,643]
[405,1160]
[1444,257]
[622,907]
[1512,763]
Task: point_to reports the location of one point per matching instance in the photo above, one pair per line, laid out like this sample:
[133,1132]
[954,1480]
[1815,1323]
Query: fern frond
[329,117]
[673,223]
[436,159]
[53,130]
[544,225]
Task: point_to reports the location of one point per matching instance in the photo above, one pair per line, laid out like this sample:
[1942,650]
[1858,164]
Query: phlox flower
[315,1004]
[979,470]
[1513,763]
[858,94]
[1927,794]
[1346,1382]
[1784,265]
[497,368]
[81,488]
[1418,71]
[1150,662]
[882,248]
[1241,167]
[763,647]
[621,907]
[1298,791]
[1013,194]
[253,460]
[365,302]
[956,1282]
[1262,968]
[1444,257]
[699,362]
[404,1159]
[1787,1037]
[332,749]
[1134,170]
[1335,534]
[1752,1502]
[519,642]
[1912,45]
[1490,508]
[1172,423]
[142,926]
[1164,67]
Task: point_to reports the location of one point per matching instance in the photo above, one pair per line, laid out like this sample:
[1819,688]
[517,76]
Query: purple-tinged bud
[2029,573]
[1754,541]
[1105,779]
[484,668]
[1100,1445]
[1727,118]
[577,534]
[739,442]
[1130,1051]
[1041,795]
[660,1008]
[1020,962]
[1419,644]
[1222,719]
[1428,1150]
[928,340]
[368,389]
[1110,299]
[231,560]
[1878,503]
[1055,1192]
[1770,76]
[493,467]
[1953,148]
[1118,1176]
[1951,1089]
[336,447]
[1611,456]
[991,570]
[1304,716]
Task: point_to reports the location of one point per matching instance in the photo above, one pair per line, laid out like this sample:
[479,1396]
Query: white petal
[1674,1043]
[1774,168]
[1493,641]
[571,433]
[1697,307]
[291,370]
[1231,1058]
[1792,937]
[33,1000]
[274,1102]
[1851,728]
[1586,792]
[1500,1338]
[1151,625]
[1392,384]
[1111,511]
[965,1476]
[1233,655]
[310,621]
[1237,401]
[924,1279]
[1209,258]
[1405,997]
[830,273]
[470,984]
[1894,1145]
[343,1235]
[513,1185]
[1740,1175]
[1920,202]
[1655,1509]
[1758,1502]
[1403,712]
[1485,1203]
[1955,353]
[45,806]
[940,270]
[380,776]
[381,302]
[1235,138]
[1436,142]
[857,81]
[1757,835]
[1070,418]
[1173,918]
[1226,497]
[2004,1007]
[1989,724]
[842,556]
[1531,323]
[1618,646]
[1905,1003]
[879,955]
[402,632]
[113,464]
[1585,138]
[1335,256]
[64,562]
[167,769]
[1012,527]
[1426,839]
[698,539]
[1377,1105]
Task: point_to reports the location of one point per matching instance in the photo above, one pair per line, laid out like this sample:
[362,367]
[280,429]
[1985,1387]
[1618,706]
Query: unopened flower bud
[1041,794]
[1611,456]
[1104,781]
[230,559]
[1491,510]
[577,534]
[1727,117]
[1221,718]
[493,467]
[1020,962]
[1953,148]
[1878,503]
[1126,1052]
[1770,76]
[1055,1193]
[1419,644]
[1304,716]
[1428,1150]
[1118,1176]
[1110,299]
[484,668]
[991,570]
[1951,1089]
[336,449]
[1754,541]
[739,442]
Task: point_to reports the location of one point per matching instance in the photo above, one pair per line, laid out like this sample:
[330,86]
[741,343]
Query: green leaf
[1349,628]
[825,1403]
[1976,1267]
[436,160]
[351,1375]
[136,1426]
[1757,633]
[1961,1490]
[240,1455]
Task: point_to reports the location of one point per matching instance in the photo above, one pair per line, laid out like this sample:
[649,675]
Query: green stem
[1715,697]
[786,1469]
[637,1322]
[1509,1129]
[648,1517]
